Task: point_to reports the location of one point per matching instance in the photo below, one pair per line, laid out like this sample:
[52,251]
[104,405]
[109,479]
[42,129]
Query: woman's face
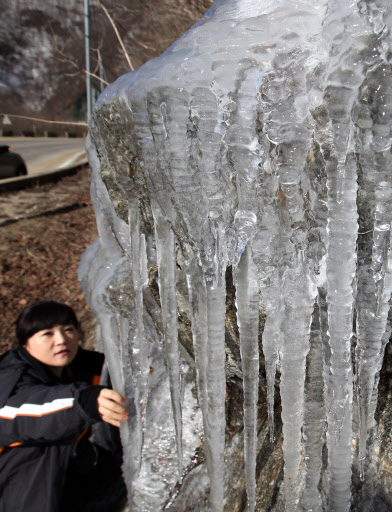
[56,347]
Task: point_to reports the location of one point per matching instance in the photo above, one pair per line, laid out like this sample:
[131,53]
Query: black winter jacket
[39,418]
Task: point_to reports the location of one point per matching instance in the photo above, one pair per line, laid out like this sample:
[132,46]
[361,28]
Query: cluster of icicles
[261,140]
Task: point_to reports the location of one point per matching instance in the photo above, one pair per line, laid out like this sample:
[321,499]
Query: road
[44,155]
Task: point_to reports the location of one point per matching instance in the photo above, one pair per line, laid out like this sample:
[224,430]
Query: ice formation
[260,140]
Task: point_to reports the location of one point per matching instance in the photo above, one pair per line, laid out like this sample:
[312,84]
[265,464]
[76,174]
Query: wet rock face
[247,175]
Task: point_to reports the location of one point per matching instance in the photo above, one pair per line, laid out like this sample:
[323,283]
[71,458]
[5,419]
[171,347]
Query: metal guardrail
[21,182]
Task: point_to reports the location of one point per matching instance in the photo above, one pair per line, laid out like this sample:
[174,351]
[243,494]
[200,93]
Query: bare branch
[76,123]
[68,59]
[118,36]
[142,44]
[76,73]
[97,77]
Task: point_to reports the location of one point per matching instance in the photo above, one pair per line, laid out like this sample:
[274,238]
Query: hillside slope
[42,49]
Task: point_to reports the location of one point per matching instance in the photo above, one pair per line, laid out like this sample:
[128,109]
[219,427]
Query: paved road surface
[44,155]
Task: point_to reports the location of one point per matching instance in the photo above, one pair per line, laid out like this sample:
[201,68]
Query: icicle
[137,358]
[299,304]
[198,305]
[374,277]
[215,184]
[170,173]
[103,288]
[132,431]
[245,153]
[216,390]
[314,419]
[208,307]
[267,249]
[298,293]
[373,307]
[341,260]
[247,302]
[273,337]
[167,293]
[340,95]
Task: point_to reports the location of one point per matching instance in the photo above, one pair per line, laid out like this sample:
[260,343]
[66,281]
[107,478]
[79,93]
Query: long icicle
[208,329]
[247,302]
[314,418]
[132,431]
[198,304]
[299,301]
[374,278]
[136,337]
[273,337]
[342,229]
[216,389]
[167,292]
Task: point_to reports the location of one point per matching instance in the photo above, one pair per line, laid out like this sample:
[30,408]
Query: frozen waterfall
[261,142]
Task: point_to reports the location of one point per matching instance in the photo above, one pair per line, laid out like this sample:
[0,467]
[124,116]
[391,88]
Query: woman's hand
[111,407]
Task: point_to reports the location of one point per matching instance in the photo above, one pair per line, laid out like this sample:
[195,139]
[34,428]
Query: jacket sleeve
[41,413]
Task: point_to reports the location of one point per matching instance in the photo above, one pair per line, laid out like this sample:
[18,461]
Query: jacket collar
[36,368]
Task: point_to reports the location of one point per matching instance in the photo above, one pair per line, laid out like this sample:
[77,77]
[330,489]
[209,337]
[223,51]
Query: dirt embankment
[44,231]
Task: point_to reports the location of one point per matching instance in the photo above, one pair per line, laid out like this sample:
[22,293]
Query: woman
[47,401]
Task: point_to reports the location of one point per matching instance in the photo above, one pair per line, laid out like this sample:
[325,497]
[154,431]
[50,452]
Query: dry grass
[44,231]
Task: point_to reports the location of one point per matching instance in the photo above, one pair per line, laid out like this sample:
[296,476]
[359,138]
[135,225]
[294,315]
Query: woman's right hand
[111,407]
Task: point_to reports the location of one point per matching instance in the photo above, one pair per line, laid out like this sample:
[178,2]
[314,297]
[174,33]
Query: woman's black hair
[43,315]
